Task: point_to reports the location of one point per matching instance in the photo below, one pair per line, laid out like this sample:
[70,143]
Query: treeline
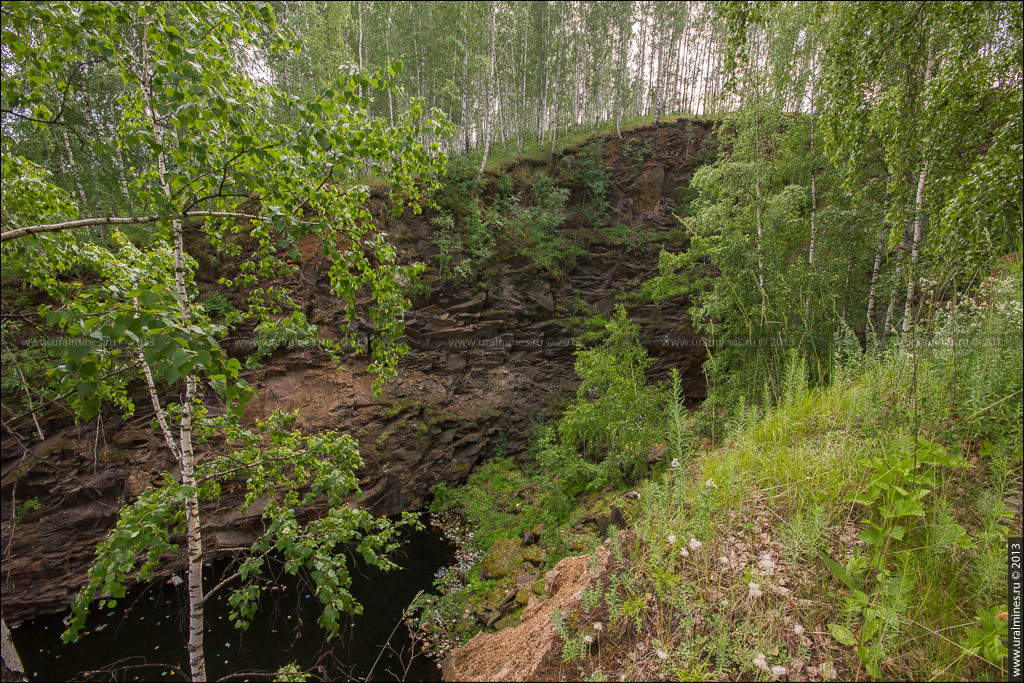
[503,72]
[511,70]
[894,189]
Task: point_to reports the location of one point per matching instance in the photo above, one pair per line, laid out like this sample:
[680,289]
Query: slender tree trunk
[186,462]
[553,115]
[123,180]
[523,121]
[814,192]
[696,94]
[869,324]
[643,58]
[705,75]
[914,245]
[465,85]
[918,212]
[757,190]
[542,109]
[846,288]
[887,326]
[488,127]
[73,169]
[387,52]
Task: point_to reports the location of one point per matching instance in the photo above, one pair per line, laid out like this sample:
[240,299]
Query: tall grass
[765,510]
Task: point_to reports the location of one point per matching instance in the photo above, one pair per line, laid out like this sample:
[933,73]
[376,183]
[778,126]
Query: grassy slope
[766,505]
[753,590]
[533,151]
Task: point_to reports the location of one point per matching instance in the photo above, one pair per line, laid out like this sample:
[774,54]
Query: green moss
[400,406]
[503,559]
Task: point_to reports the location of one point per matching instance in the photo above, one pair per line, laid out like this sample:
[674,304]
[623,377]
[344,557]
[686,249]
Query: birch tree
[212,146]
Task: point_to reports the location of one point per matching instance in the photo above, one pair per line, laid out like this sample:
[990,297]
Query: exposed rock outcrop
[486,361]
[531,651]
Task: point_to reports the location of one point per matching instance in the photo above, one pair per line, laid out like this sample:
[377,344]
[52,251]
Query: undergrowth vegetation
[470,234]
[858,528]
[844,530]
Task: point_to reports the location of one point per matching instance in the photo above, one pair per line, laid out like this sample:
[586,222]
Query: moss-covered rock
[533,554]
[113,455]
[502,559]
[507,621]
[131,436]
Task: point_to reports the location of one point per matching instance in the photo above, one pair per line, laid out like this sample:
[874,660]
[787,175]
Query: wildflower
[684,553]
[798,629]
[675,463]
[662,655]
[725,603]
[778,670]
[694,544]
[588,639]
[710,483]
[755,590]
[760,662]
[671,539]
[598,626]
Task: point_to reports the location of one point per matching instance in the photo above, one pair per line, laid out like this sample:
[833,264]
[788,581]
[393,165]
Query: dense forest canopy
[852,245]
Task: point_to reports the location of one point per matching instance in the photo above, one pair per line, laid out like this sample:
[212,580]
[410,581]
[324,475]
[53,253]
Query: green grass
[502,156]
[769,502]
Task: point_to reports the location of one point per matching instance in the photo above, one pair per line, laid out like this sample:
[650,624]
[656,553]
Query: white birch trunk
[465,89]
[488,127]
[814,192]
[186,459]
[757,190]
[918,213]
[73,169]
[887,326]
[869,325]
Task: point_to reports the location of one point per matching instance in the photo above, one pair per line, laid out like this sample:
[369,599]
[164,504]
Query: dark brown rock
[459,393]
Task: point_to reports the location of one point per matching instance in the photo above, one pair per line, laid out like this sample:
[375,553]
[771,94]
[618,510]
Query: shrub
[591,172]
[535,228]
[616,416]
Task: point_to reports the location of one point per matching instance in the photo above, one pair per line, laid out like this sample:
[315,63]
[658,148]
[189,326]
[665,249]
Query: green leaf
[840,572]
[842,634]
[871,537]
[905,508]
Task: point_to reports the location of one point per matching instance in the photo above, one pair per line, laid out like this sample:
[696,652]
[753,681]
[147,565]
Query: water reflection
[144,638]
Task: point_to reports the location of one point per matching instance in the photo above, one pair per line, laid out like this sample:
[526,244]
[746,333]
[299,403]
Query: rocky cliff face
[486,361]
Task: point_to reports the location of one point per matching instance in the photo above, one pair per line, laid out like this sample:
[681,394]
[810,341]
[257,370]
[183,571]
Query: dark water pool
[144,638]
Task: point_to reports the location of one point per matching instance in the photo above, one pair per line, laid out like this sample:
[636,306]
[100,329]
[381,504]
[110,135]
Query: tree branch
[114,220]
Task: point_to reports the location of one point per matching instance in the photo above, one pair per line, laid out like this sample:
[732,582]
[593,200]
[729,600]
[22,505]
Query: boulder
[527,579]
[136,483]
[613,518]
[502,559]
